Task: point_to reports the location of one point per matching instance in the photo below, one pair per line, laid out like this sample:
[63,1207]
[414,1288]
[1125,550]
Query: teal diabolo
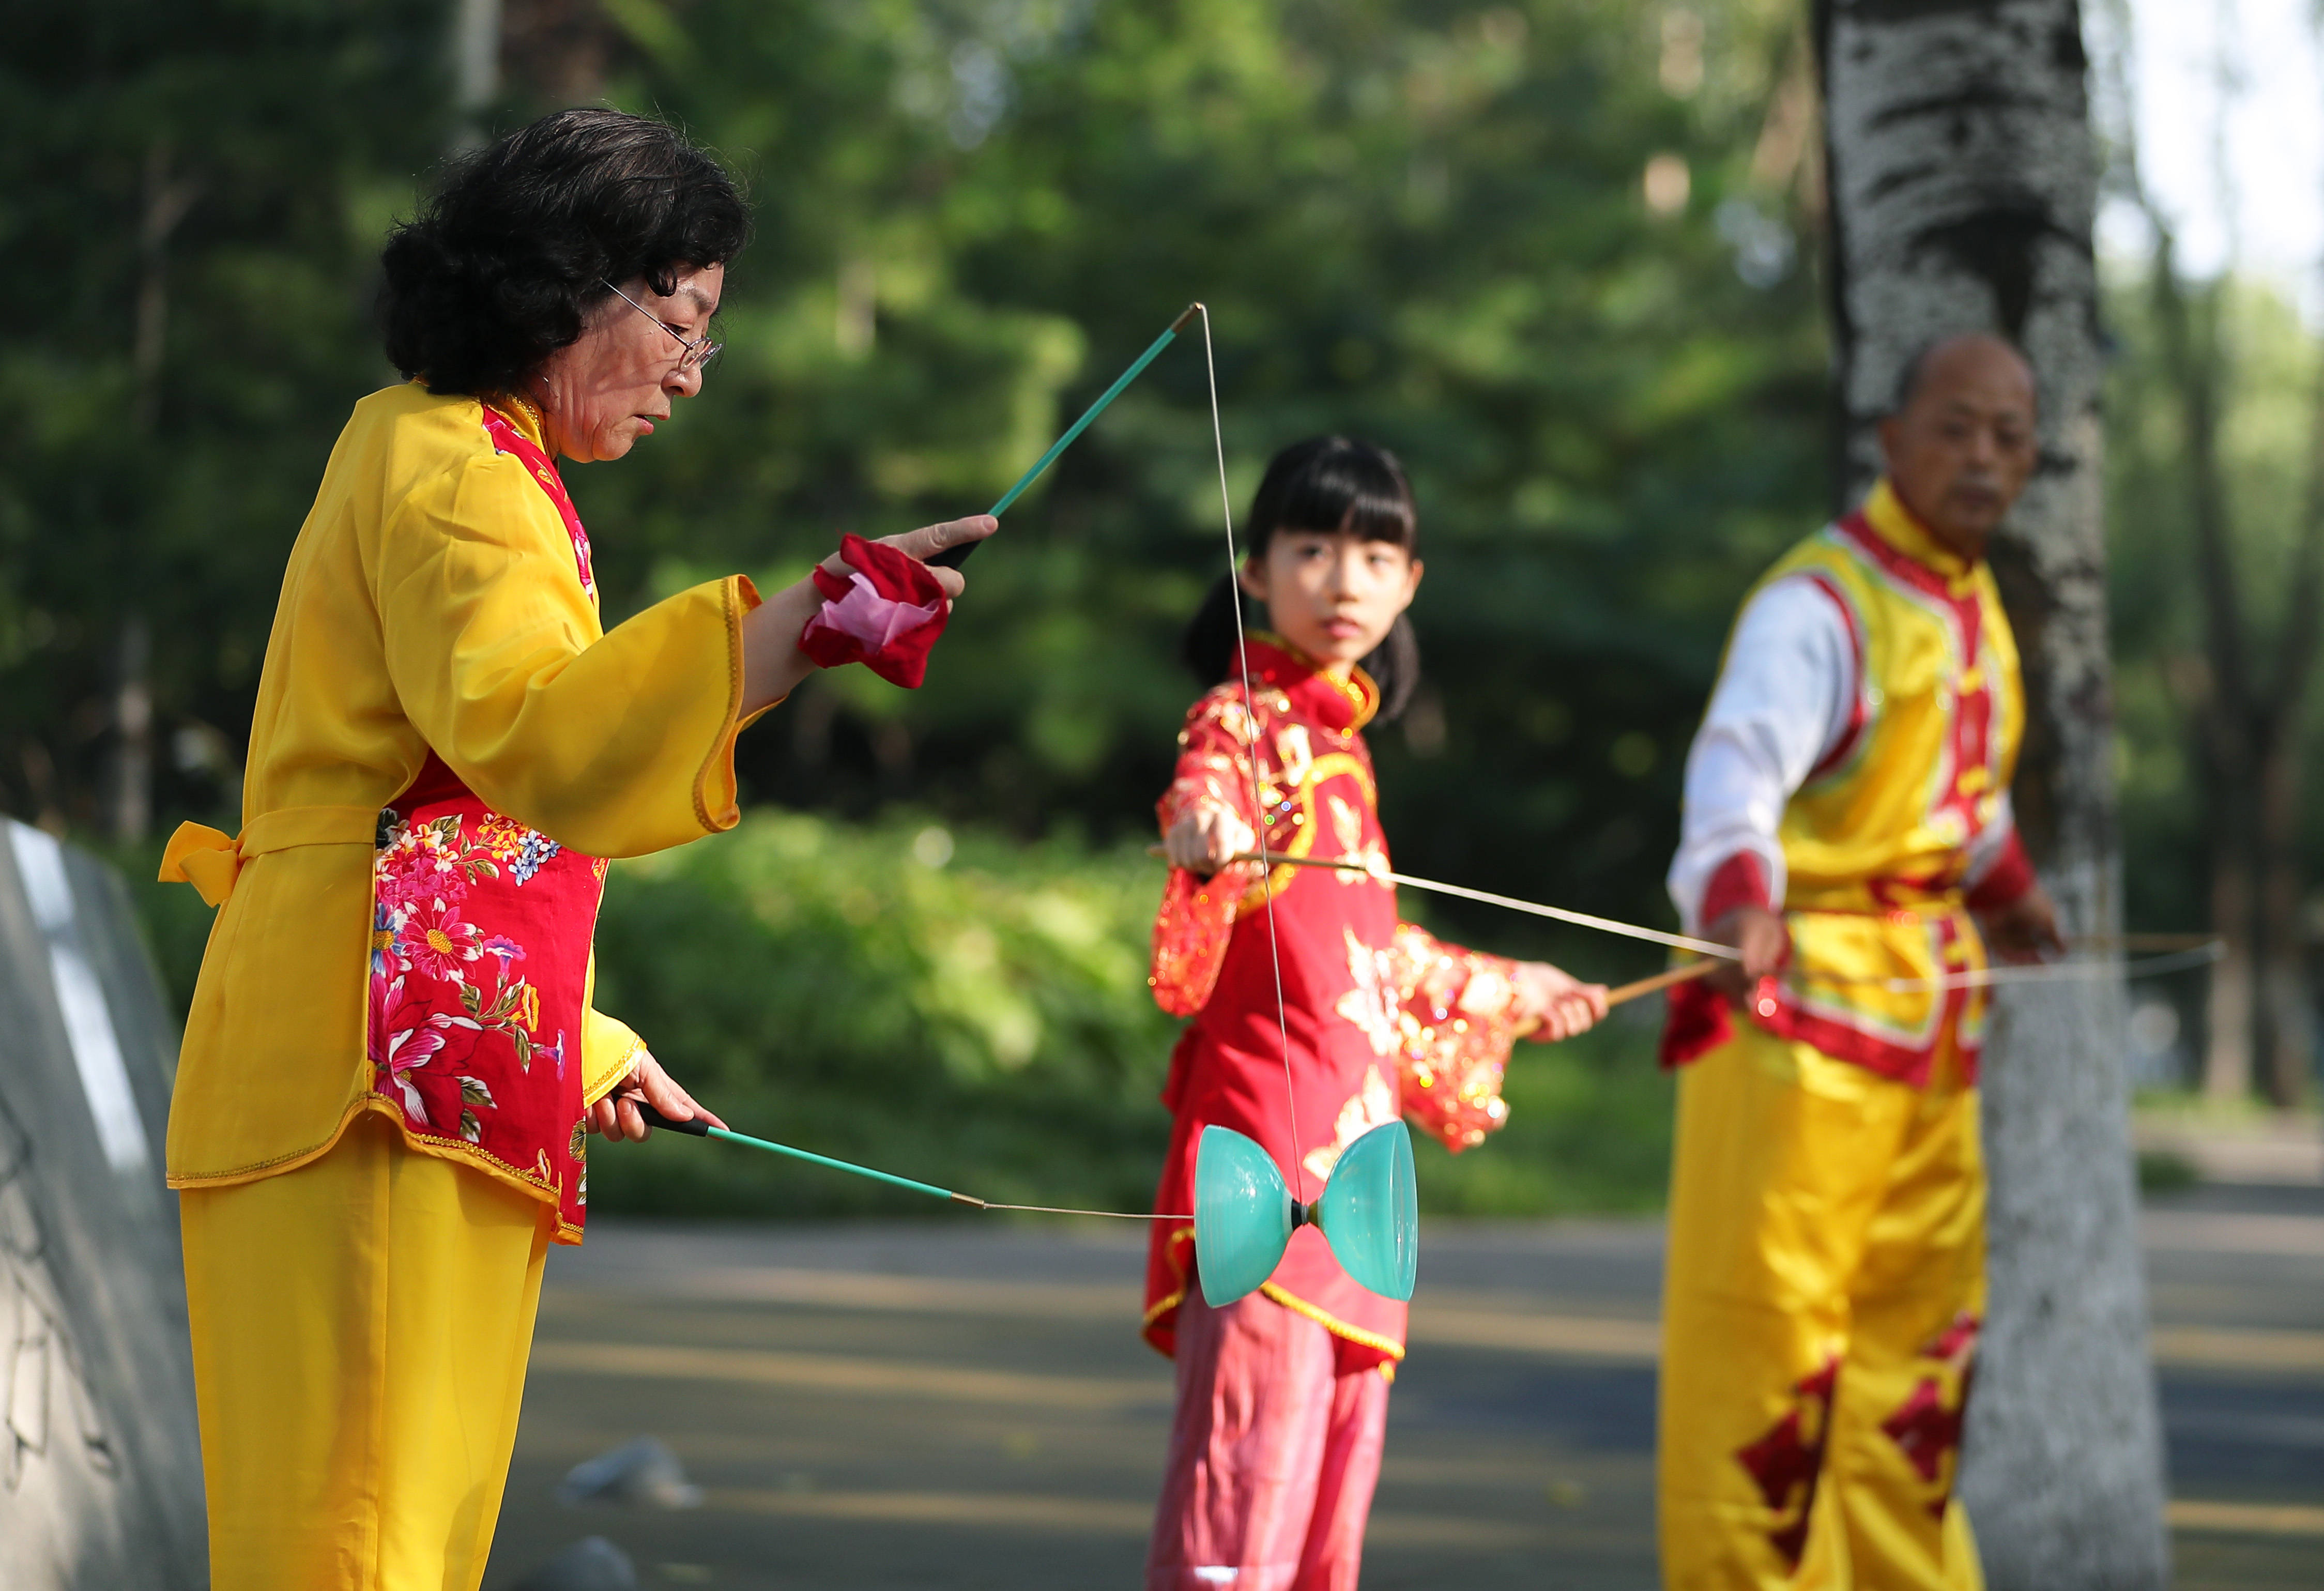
[1244,1214]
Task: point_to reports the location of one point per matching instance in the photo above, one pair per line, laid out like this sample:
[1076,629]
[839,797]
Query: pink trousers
[1273,1457]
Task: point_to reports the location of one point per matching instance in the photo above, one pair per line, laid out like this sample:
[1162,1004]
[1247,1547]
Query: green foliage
[210,179]
[969,1012]
[2267,373]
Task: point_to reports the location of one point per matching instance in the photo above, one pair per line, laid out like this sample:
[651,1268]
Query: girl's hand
[616,1115]
[1564,1004]
[1206,839]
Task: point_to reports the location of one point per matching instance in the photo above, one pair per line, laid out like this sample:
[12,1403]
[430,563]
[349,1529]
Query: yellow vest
[1877,841]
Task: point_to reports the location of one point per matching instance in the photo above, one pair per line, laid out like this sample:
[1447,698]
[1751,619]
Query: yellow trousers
[361,1327]
[1821,1296]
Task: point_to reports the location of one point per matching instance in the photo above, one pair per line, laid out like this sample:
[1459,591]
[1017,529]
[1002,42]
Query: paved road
[966,1405]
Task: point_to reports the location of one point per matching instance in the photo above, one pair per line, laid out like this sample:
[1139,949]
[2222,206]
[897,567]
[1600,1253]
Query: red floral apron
[480,963]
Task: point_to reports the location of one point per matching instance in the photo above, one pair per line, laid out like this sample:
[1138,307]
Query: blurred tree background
[1559,254]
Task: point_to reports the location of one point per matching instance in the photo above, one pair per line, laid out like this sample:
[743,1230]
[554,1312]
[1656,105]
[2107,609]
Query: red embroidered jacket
[1380,1019]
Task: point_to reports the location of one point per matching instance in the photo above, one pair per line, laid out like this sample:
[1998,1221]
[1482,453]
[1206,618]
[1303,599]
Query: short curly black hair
[500,267]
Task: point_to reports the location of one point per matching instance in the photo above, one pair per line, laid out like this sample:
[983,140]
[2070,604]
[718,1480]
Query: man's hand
[616,1115]
[2025,930]
[1563,1003]
[1208,838]
[1765,943]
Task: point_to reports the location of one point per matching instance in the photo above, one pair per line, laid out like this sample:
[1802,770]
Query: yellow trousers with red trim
[361,1327]
[1821,1295]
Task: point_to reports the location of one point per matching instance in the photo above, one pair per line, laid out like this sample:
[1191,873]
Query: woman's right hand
[1208,838]
[928,541]
[772,664]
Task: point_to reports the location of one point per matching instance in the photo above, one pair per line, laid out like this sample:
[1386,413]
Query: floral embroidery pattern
[440,986]
[1373,1105]
[1348,828]
[525,849]
[1373,1005]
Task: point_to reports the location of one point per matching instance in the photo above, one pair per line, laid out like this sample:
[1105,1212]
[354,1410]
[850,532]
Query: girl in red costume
[1283,1395]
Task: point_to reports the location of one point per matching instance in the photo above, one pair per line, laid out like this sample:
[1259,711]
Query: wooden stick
[1660,980]
[1701,947]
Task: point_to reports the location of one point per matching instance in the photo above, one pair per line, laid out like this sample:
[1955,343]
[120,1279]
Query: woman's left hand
[1564,1004]
[616,1115]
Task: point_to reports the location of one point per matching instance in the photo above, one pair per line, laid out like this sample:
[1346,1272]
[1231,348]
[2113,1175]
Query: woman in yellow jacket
[391,1058]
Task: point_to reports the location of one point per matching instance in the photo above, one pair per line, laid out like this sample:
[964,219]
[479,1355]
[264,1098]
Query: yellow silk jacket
[429,602]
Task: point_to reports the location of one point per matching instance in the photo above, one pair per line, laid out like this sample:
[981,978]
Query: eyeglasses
[695,352]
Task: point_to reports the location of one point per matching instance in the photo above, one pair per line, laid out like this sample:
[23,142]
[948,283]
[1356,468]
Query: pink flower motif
[402,1038]
[433,940]
[418,869]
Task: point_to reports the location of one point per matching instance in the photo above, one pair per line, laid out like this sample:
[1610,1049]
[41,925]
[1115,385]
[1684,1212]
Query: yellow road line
[2237,1347]
[2250,1519]
[990,1510]
[1630,1342]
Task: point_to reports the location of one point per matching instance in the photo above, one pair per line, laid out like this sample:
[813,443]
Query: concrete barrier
[100,1465]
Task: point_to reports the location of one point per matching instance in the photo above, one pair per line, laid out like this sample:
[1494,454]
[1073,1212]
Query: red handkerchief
[886,615]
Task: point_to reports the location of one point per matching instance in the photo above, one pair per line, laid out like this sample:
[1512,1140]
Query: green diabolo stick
[954,557]
[699,1128]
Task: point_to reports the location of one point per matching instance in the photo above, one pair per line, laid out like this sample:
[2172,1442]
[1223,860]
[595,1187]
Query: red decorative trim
[1924,1428]
[507,438]
[1741,880]
[1697,1021]
[1789,1460]
[1775,1011]
[1860,716]
[2003,883]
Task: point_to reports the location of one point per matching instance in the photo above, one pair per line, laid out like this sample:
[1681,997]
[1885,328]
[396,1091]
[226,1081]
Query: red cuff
[1740,881]
[886,615]
[1698,1021]
[2010,876]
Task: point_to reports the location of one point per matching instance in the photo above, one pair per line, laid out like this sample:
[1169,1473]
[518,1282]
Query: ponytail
[1208,646]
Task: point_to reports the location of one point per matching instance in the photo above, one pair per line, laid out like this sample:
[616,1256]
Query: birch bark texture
[1963,180]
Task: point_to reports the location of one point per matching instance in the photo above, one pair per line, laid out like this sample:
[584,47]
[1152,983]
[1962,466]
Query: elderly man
[1847,829]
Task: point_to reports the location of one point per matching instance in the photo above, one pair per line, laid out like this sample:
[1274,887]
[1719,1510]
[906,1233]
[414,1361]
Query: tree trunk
[2228,1014]
[2291,1017]
[2288,1030]
[129,795]
[476,53]
[2224,716]
[1962,182]
[127,792]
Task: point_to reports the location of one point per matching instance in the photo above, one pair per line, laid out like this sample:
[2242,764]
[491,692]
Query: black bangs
[1334,484]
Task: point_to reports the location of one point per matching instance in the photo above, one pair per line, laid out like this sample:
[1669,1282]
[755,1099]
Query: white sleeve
[1783,701]
[1986,845]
